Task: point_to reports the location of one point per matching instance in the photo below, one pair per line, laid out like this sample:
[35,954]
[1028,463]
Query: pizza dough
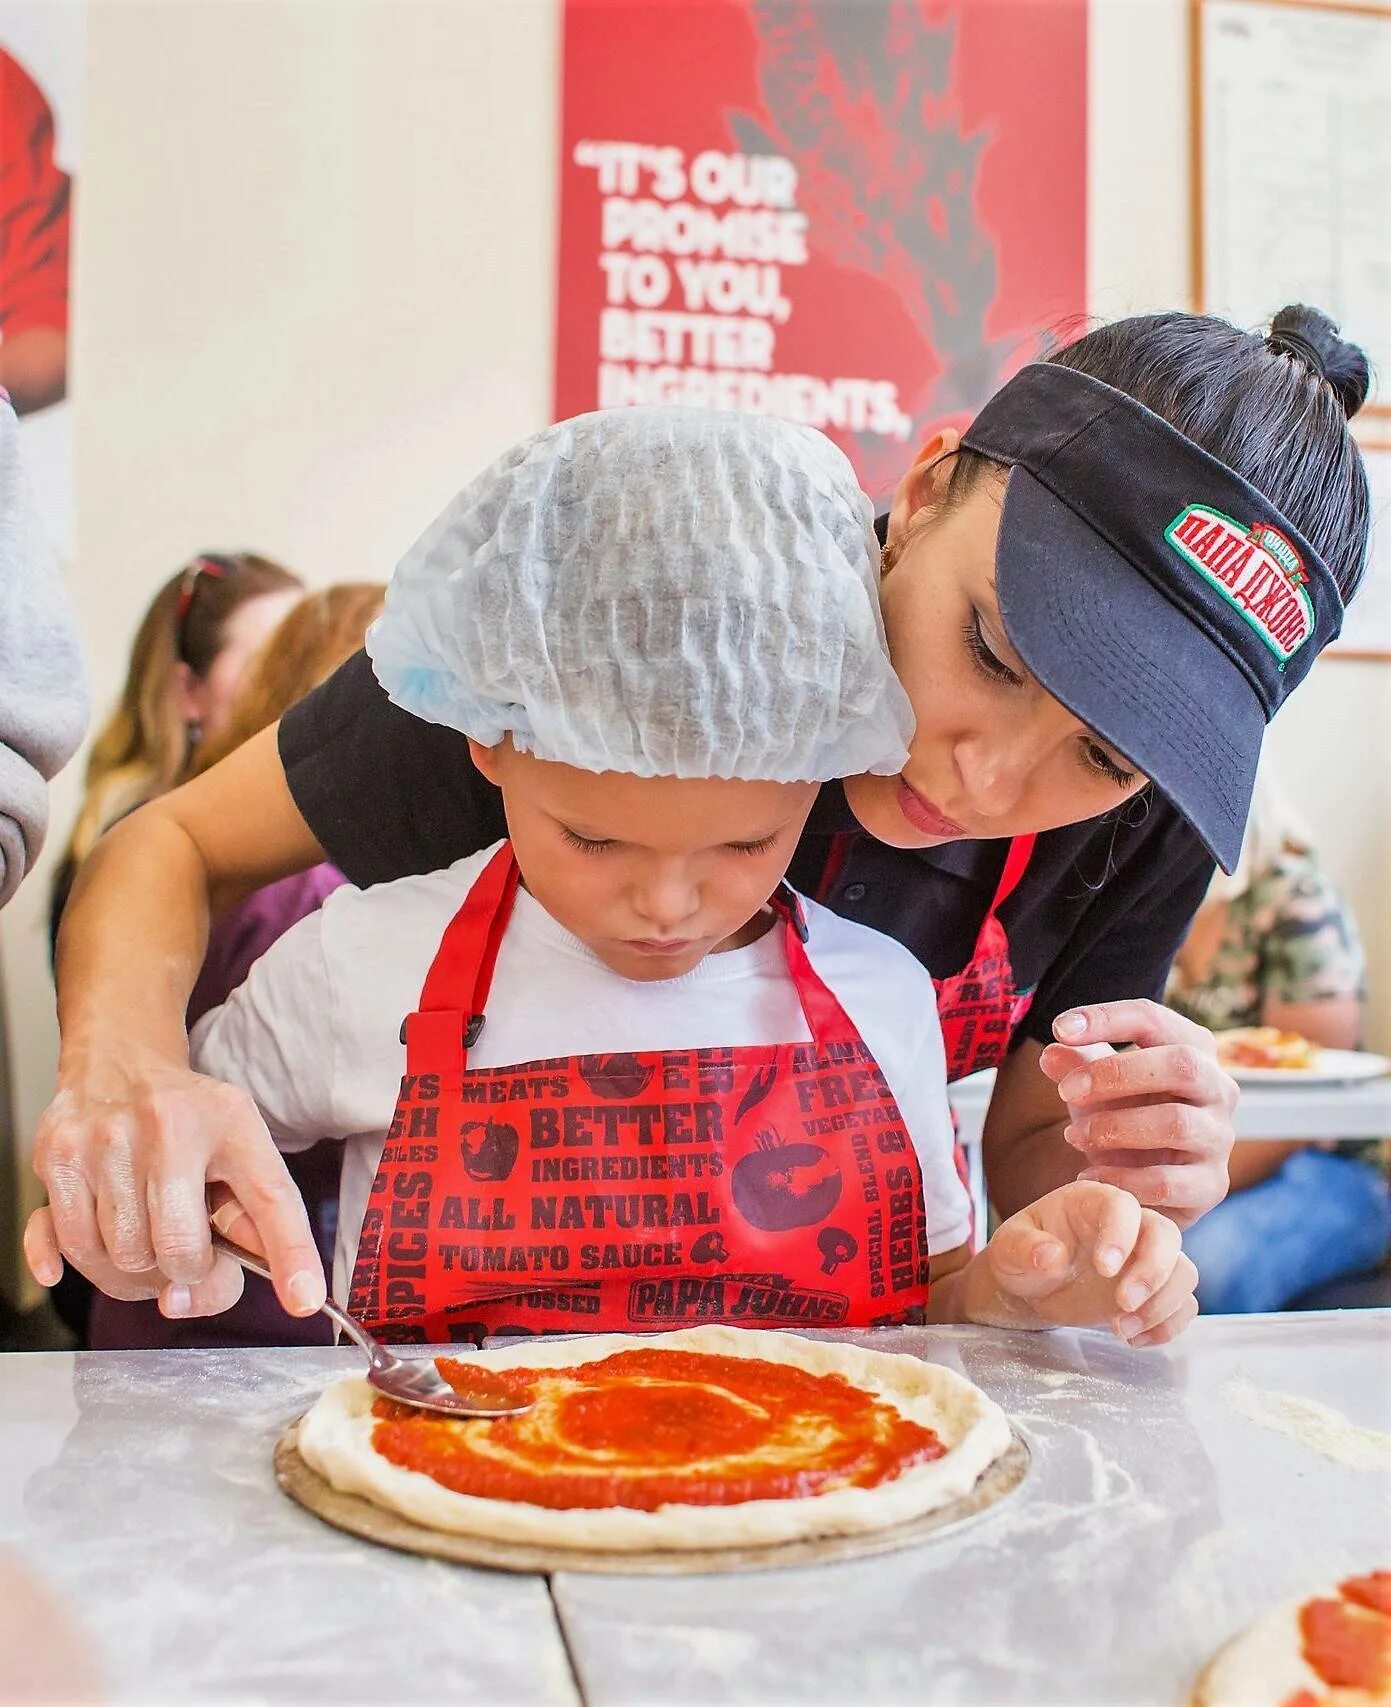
[1329,1650]
[335,1438]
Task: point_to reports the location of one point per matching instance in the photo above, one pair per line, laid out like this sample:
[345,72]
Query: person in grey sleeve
[43,684]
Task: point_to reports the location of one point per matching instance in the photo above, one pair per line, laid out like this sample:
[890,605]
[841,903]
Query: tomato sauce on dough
[652,1427]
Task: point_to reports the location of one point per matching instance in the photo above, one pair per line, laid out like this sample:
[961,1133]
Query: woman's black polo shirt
[1098,914]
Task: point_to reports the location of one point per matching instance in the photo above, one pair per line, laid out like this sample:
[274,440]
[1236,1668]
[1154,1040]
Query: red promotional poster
[859,214]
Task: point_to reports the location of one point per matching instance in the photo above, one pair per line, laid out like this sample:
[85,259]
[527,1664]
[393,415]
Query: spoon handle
[254,1265]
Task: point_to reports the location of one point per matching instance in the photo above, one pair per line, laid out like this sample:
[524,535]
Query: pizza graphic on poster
[859,214]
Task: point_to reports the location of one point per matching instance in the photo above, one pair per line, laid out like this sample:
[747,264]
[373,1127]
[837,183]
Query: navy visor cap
[1150,588]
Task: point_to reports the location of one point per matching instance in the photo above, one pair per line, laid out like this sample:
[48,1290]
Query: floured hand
[1086,1255]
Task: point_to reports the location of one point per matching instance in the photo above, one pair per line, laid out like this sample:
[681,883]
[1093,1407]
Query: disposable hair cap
[662,592]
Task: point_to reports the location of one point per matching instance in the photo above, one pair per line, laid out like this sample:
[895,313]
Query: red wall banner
[861,214]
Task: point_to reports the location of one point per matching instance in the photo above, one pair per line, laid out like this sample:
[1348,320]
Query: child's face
[651,873]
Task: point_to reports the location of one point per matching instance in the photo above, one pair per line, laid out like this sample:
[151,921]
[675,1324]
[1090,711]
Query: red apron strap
[1021,851]
[825,1017]
[461,973]
[835,863]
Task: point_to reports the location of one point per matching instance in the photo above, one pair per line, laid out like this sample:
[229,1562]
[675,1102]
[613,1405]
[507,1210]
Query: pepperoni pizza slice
[1332,1650]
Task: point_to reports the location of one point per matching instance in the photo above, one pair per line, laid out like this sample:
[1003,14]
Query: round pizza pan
[360,1517]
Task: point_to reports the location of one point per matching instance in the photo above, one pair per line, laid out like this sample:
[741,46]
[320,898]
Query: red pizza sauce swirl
[653,1427]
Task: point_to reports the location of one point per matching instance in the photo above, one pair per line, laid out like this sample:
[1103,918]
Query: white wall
[314,280]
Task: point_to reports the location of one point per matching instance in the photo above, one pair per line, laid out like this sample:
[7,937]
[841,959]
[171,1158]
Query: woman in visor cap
[1095,598]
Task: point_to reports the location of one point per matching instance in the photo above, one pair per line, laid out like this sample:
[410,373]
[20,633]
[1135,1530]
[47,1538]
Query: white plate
[1334,1067]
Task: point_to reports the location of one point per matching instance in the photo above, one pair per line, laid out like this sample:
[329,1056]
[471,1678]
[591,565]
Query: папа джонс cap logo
[1257,570]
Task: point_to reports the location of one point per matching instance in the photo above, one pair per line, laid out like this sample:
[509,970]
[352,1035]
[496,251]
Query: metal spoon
[410,1381]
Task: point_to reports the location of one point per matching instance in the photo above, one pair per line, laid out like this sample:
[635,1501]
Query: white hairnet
[664,592]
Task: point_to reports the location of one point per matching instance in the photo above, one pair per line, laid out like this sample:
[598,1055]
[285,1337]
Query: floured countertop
[1174,1495]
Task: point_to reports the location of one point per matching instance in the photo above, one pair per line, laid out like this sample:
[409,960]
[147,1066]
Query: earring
[193,732]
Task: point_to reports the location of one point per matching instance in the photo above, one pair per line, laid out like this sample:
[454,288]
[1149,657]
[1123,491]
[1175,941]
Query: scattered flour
[1319,1427]
[1055,1377]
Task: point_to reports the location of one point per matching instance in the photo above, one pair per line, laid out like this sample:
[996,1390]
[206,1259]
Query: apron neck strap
[1021,851]
[461,974]
[826,1019]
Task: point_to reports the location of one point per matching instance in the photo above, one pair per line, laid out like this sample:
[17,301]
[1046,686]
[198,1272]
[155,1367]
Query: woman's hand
[1154,1120]
[129,1162]
[1086,1255]
[134,1138]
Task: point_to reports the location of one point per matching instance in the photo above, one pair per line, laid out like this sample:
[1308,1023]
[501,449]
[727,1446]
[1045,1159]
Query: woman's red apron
[753,1186]
[980,1006]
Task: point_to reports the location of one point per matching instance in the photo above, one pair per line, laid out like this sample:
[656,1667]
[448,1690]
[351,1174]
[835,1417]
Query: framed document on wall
[1291,163]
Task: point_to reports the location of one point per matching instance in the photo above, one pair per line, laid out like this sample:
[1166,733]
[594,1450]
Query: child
[644,1084]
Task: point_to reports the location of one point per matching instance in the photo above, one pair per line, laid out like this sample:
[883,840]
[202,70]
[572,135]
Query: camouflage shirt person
[1289,937]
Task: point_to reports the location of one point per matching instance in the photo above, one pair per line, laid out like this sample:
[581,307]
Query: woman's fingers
[222,1287]
[72,1211]
[1180,1190]
[177,1198]
[1155,1120]
[1136,1021]
[1178,1130]
[1173,1072]
[100,1153]
[122,1213]
[41,1250]
[257,1177]
[231,1220]
[43,1254]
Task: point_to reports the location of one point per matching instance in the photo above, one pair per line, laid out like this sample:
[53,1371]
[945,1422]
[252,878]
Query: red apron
[979,1006]
[753,1186]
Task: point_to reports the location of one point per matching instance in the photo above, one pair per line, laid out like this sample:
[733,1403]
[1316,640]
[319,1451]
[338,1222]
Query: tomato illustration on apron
[754,1185]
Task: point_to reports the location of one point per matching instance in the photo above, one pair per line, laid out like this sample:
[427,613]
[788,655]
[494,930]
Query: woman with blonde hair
[1275,944]
[320,631]
[195,640]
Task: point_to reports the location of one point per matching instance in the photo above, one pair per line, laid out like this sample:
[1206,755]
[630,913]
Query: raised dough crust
[335,1440]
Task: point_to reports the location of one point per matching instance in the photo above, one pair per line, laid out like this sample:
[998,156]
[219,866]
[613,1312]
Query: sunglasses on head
[219,568]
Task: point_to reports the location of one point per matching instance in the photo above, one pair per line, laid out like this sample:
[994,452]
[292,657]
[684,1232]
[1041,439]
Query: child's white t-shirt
[314,1032]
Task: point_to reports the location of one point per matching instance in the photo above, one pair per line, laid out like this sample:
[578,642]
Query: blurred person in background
[322,629]
[190,651]
[43,687]
[1274,944]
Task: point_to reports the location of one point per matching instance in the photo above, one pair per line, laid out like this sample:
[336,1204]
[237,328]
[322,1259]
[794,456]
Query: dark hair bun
[1311,337]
